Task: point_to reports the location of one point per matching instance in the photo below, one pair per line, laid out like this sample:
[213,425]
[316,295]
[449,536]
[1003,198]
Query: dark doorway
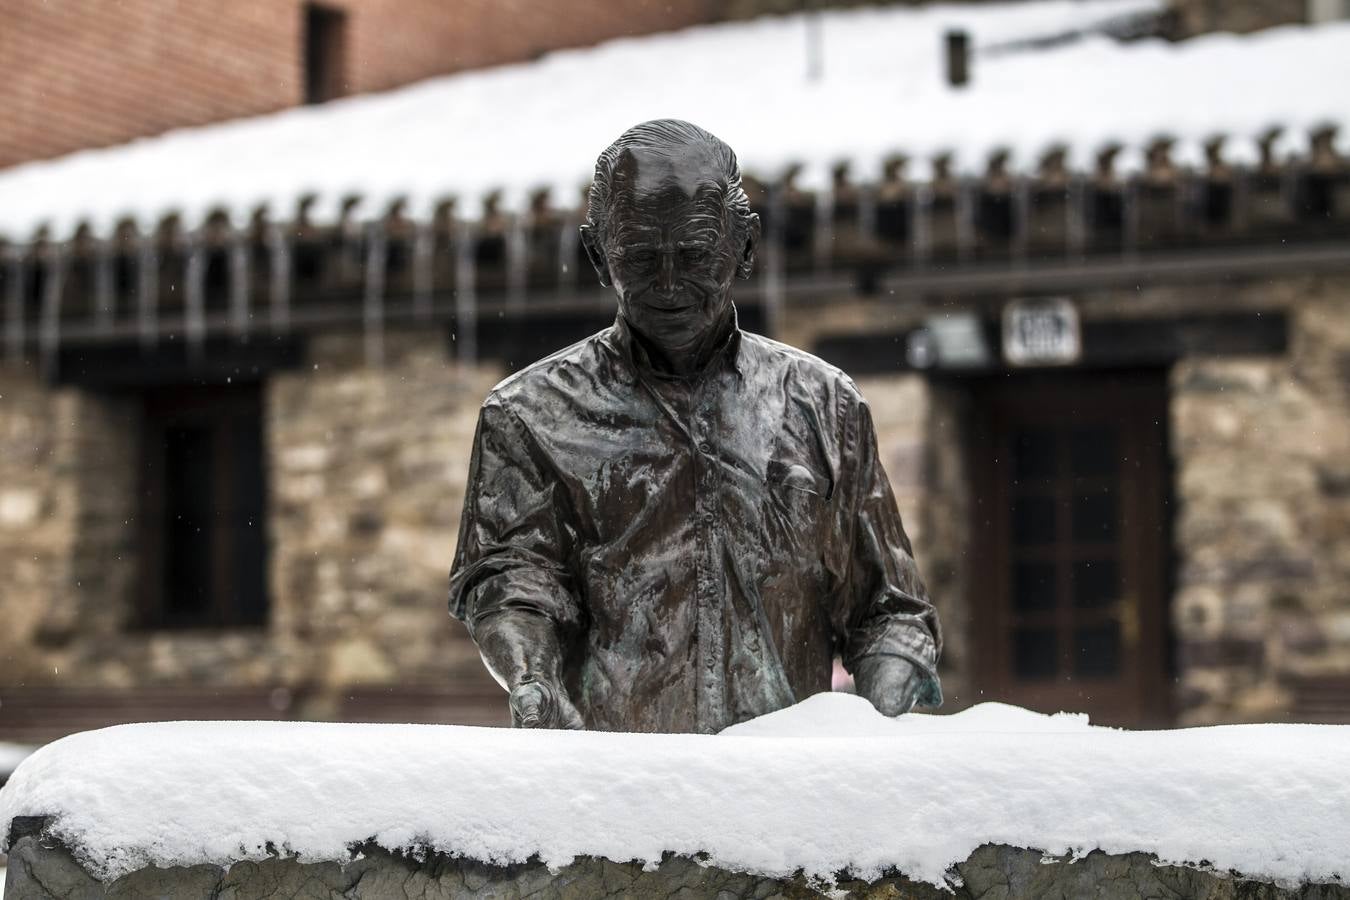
[204,508]
[325,53]
[1072,544]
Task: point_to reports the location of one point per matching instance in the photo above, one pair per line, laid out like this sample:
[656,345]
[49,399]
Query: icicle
[824,226]
[1242,198]
[14,306]
[965,219]
[279,251]
[194,297]
[867,210]
[104,302]
[1075,212]
[372,313]
[239,283]
[1130,200]
[517,263]
[921,226]
[466,297]
[147,290]
[773,263]
[1021,216]
[568,236]
[424,259]
[49,329]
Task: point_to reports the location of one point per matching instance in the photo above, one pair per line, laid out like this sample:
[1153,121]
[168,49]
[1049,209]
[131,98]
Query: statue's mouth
[667,310]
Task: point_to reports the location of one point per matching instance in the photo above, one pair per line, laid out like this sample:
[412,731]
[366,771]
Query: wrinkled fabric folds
[702,547]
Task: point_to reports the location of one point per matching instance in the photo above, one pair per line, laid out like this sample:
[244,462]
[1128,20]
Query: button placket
[711,644]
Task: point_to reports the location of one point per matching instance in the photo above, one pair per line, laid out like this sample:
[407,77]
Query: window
[203,513]
[325,40]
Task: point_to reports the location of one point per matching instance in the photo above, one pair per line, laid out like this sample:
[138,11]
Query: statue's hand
[538,704]
[890,683]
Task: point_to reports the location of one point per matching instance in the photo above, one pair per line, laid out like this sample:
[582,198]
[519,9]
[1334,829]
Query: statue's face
[671,249]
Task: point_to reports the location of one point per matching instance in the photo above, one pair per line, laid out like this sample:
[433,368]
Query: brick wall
[86,73]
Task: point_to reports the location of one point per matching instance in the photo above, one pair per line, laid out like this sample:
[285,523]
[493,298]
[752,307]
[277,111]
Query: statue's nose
[665,276]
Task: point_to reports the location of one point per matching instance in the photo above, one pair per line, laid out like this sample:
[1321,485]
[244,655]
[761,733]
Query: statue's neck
[683,362]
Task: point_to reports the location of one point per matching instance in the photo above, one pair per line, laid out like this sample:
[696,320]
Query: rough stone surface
[1262,451]
[367,468]
[41,870]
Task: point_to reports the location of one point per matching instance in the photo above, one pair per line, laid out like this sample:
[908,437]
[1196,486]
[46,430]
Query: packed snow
[825,786]
[880,91]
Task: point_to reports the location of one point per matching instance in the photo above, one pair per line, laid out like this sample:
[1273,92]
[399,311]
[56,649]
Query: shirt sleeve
[514,541]
[886,610]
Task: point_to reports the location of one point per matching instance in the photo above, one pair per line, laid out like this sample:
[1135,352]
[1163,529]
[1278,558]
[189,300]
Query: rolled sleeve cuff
[913,643]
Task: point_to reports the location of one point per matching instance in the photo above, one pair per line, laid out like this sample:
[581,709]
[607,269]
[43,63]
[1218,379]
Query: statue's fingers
[572,719]
[527,706]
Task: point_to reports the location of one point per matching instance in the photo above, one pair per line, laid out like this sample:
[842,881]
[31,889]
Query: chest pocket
[782,476]
[795,515]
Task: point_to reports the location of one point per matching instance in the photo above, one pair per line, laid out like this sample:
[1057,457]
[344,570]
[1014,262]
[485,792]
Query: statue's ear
[746,265]
[590,239]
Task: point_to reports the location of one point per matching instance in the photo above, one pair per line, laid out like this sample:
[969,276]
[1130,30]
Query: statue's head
[670,228]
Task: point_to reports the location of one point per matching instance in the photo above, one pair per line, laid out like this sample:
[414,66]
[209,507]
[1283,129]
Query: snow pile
[825,786]
[881,91]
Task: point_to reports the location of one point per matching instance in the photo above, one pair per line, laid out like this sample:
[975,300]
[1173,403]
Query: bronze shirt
[703,546]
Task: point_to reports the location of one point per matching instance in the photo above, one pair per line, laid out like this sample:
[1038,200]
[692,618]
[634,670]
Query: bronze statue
[675,525]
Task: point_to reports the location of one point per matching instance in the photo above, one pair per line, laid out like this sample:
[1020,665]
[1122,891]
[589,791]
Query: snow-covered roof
[881,91]
[828,785]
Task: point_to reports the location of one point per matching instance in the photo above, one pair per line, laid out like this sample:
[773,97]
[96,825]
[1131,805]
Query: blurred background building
[1087,260]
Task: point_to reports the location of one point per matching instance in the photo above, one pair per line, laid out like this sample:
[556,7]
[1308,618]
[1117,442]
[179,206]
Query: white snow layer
[825,786]
[882,91]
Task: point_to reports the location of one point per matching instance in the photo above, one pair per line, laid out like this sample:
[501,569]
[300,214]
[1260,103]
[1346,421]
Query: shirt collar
[620,338]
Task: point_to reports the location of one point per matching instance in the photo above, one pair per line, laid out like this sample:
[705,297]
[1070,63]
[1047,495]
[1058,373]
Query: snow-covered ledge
[824,795]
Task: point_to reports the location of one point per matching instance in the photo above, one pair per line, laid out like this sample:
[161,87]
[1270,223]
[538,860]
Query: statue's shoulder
[555,376]
[804,367]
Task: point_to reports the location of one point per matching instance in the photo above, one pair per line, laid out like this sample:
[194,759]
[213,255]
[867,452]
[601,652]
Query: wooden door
[1072,554]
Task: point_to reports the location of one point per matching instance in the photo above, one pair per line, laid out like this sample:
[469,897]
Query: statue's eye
[694,254]
[641,258]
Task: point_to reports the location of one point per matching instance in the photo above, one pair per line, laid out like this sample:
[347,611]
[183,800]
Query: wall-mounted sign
[956,340]
[1041,333]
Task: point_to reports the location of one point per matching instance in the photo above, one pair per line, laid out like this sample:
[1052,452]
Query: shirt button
[708,518]
[705,447]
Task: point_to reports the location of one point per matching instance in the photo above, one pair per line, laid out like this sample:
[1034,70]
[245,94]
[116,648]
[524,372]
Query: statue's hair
[667,136]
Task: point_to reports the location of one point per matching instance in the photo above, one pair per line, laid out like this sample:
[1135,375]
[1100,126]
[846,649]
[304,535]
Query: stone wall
[43,870]
[37,513]
[366,469]
[67,484]
[918,437]
[1262,450]
[368,476]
